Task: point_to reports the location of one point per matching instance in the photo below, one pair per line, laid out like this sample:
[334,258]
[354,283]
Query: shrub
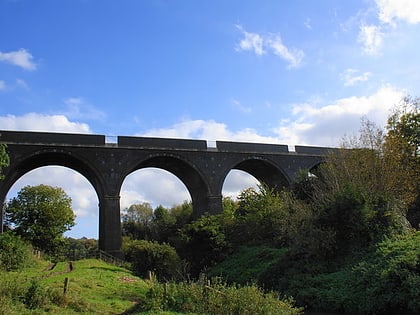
[15,254]
[205,297]
[145,256]
[385,281]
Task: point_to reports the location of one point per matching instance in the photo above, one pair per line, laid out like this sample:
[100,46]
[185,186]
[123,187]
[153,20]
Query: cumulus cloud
[261,44]
[21,58]
[353,76]
[41,122]
[208,130]
[392,10]
[327,124]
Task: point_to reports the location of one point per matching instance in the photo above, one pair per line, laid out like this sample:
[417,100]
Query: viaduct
[105,165]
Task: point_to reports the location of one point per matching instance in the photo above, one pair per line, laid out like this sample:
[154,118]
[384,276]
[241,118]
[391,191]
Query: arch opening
[155,186]
[184,172]
[251,173]
[76,186]
[237,181]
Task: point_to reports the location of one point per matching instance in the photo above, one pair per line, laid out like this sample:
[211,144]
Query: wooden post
[66,285]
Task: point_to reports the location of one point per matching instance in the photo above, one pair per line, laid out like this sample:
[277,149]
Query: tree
[136,221]
[402,152]
[41,214]
[4,159]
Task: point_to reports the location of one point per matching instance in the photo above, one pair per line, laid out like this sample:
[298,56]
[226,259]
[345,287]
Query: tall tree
[41,214]
[136,221]
[402,151]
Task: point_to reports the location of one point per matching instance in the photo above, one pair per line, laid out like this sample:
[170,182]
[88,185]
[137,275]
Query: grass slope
[94,287]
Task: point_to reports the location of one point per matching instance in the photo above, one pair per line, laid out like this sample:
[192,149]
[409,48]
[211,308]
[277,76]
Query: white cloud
[293,56]
[208,130]
[20,58]
[155,186]
[251,41]
[405,10]
[326,125]
[352,76]
[40,122]
[371,38]
[2,85]
[260,44]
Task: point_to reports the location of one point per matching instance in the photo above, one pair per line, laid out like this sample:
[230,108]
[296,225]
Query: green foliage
[259,217]
[216,297]
[41,214]
[136,221]
[247,264]
[4,159]
[149,256]
[15,254]
[205,242]
[384,281]
[81,248]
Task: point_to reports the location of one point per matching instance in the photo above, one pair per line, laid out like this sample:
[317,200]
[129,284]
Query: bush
[15,254]
[385,281]
[204,297]
[247,264]
[146,256]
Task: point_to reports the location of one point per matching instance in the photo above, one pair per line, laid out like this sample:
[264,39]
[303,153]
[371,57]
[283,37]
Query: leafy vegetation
[4,159]
[41,214]
[15,254]
[215,297]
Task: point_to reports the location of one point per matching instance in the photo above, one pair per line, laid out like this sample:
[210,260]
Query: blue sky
[289,72]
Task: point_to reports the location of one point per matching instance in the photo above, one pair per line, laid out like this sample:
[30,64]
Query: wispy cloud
[251,41]
[307,23]
[262,44]
[371,38]
[21,58]
[2,85]
[79,108]
[241,107]
[352,76]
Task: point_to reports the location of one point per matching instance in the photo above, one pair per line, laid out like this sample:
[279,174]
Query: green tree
[402,152]
[4,159]
[136,221]
[145,256]
[41,214]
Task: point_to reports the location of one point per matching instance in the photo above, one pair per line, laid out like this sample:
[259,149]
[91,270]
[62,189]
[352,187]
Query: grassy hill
[93,287]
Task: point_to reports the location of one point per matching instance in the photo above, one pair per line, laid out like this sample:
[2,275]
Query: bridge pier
[110,239]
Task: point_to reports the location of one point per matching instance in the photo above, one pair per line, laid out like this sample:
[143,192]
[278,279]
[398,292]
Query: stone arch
[42,158]
[264,170]
[185,172]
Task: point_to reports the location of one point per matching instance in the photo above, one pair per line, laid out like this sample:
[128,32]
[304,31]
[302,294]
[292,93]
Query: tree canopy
[41,214]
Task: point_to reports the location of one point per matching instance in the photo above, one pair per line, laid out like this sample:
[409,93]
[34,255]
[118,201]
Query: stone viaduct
[105,165]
